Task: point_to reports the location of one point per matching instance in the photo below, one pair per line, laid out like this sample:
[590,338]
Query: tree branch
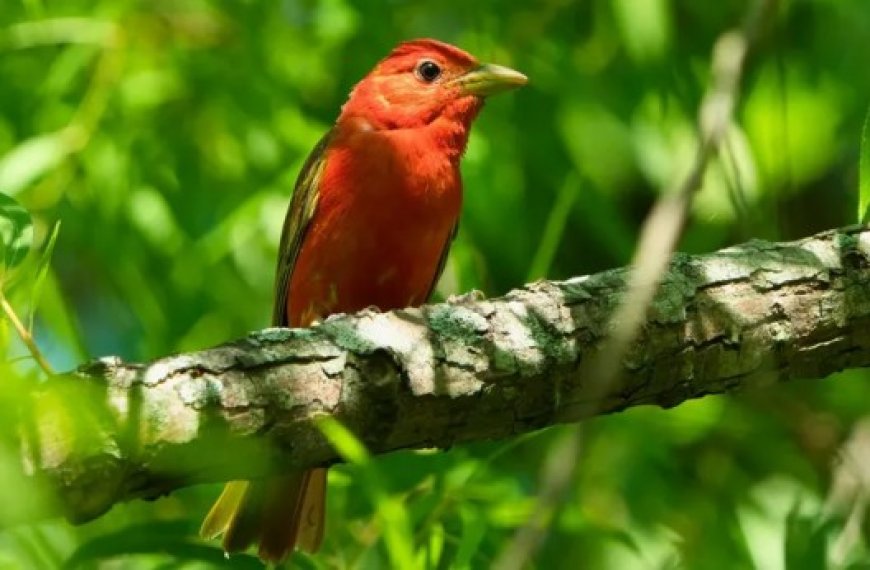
[469,369]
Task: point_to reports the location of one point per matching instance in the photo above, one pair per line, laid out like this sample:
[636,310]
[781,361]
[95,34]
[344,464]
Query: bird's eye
[428,71]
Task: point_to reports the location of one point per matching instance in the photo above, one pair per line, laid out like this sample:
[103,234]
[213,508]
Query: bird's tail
[277,513]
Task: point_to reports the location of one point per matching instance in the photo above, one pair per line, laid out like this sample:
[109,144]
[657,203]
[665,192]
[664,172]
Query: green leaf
[344,442]
[473,533]
[429,556]
[864,172]
[806,541]
[168,540]
[391,511]
[16,233]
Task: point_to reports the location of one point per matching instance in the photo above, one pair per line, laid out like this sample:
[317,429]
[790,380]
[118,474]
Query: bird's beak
[489,79]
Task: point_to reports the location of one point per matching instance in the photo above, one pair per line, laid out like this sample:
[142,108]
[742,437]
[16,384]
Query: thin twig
[659,237]
[556,478]
[25,335]
[664,225]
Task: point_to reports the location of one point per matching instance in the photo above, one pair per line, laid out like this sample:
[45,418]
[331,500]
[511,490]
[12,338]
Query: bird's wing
[442,261]
[296,224]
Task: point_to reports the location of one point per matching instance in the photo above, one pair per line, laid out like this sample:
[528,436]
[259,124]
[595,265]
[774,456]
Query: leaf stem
[25,335]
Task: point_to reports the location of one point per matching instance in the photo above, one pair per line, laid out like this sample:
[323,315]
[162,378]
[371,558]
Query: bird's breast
[386,211]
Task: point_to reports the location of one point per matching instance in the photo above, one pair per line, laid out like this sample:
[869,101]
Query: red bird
[372,217]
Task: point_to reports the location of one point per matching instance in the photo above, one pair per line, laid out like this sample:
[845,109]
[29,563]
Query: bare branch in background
[556,478]
[665,224]
[659,237]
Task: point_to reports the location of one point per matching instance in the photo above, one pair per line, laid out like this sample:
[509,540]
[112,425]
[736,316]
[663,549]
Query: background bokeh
[166,137]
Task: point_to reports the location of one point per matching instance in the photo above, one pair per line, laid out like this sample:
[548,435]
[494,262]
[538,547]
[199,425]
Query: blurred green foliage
[166,135]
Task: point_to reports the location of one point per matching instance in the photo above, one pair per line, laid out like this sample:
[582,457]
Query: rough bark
[468,369]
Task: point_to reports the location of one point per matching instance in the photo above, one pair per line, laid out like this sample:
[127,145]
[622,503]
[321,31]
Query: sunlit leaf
[33,158]
[792,124]
[344,442]
[645,27]
[57,31]
[429,556]
[864,172]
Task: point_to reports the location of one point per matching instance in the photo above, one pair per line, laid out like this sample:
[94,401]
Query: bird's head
[422,81]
